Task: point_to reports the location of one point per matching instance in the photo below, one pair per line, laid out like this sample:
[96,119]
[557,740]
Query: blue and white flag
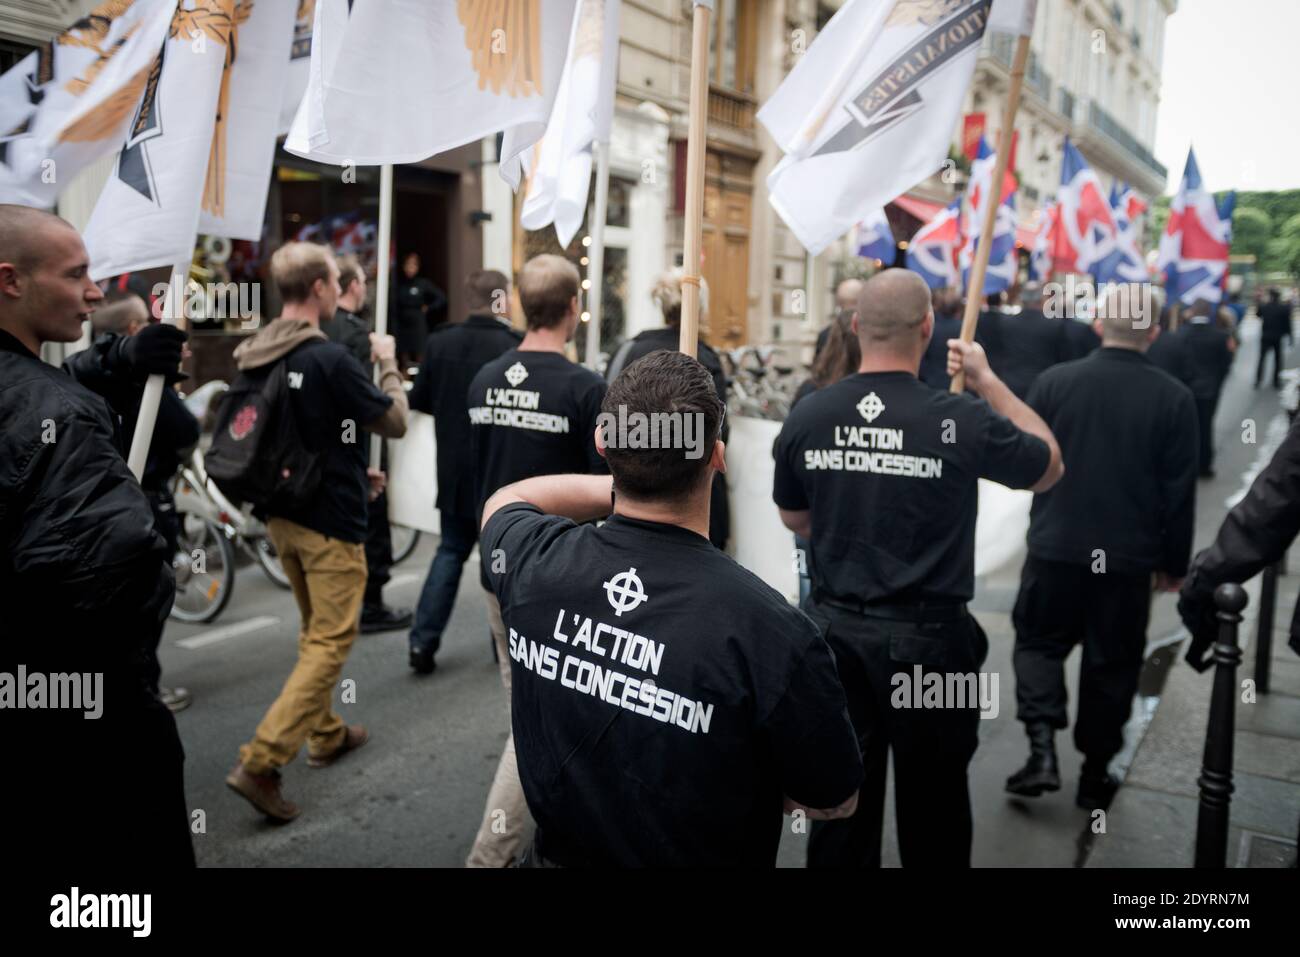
[1194,247]
[868,111]
[932,253]
[1003,263]
[876,239]
[1123,262]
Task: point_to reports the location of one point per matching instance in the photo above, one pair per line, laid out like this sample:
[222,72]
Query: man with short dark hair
[1028,341]
[668,703]
[1124,513]
[453,355]
[85,579]
[319,541]
[1274,326]
[880,472]
[532,412]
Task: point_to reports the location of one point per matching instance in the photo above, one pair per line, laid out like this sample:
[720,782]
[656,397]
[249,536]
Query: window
[733,44]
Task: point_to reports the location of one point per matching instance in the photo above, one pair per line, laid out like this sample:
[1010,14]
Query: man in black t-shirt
[453,355]
[879,471]
[1125,511]
[667,703]
[531,412]
[319,541]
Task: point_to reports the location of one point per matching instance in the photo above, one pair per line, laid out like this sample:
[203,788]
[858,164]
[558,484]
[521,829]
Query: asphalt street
[413,796]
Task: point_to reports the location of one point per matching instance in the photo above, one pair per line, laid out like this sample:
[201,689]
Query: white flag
[329,23]
[559,164]
[239,174]
[148,213]
[70,101]
[415,78]
[295,80]
[868,111]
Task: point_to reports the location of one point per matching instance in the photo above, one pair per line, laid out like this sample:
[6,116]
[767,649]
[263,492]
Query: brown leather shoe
[355,737]
[263,792]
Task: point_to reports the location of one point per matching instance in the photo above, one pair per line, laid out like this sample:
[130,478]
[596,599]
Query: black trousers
[1059,606]
[379,551]
[1205,406]
[1265,347]
[932,747]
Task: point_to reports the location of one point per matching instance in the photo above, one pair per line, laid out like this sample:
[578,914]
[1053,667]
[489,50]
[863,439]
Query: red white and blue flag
[876,239]
[1194,247]
[1123,262]
[1088,232]
[932,253]
[1040,257]
[1003,263]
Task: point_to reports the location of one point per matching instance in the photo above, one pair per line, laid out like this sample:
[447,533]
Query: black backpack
[257,455]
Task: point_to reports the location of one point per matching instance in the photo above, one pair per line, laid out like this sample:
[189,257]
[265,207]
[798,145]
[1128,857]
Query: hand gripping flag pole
[974,290]
[173,310]
[690,330]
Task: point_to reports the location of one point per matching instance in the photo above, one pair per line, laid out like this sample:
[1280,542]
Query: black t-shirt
[532,413]
[664,698]
[334,401]
[888,467]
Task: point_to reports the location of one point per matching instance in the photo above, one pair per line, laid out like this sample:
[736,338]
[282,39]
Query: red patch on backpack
[243,422]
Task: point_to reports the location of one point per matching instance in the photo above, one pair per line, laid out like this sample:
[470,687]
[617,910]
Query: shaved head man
[879,471]
[86,581]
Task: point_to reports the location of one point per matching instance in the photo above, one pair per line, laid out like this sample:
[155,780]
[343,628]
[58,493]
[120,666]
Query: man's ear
[1098,328]
[600,438]
[11,283]
[853,323]
[718,461]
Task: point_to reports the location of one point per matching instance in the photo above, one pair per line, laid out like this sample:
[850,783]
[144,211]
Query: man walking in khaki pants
[320,541]
[531,412]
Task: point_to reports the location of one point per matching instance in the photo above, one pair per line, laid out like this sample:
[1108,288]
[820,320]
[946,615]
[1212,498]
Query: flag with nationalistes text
[869,109]
[412,78]
[70,101]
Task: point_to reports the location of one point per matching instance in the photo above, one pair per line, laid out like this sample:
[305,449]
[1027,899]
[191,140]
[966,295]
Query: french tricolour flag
[1194,247]
[932,253]
[876,239]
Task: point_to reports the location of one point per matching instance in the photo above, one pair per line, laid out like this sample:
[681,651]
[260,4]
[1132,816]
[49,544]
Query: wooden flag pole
[173,310]
[975,289]
[596,254]
[383,242]
[690,329]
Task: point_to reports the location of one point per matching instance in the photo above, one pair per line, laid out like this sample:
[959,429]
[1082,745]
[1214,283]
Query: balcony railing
[730,108]
[1103,122]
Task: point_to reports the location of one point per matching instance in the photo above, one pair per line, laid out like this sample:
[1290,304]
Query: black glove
[1202,624]
[156,350]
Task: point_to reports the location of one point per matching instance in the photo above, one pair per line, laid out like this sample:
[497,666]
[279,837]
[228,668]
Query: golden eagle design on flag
[504,38]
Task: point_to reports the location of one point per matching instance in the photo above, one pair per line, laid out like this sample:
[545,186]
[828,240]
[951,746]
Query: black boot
[1040,772]
[1096,786]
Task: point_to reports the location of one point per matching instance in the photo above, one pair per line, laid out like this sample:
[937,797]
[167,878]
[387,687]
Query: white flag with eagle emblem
[69,102]
[173,161]
[412,79]
[869,110]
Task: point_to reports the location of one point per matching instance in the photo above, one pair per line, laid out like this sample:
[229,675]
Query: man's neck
[692,515]
[348,305]
[1130,346]
[25,336]
[302,311]
[544,340]
[885,362]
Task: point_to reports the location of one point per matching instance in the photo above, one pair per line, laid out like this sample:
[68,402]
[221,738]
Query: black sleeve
[355,395]
[176,427]
[813,742]
[1179,454]
[514,535]
[1011,456]
[103,369]
[434,298]
[357,341]
[421,396]
[588,414]
[787,488]
[1255,534]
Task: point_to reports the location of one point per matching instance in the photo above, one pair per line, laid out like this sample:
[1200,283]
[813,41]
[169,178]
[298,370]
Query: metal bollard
[1215,781]
[1264,627]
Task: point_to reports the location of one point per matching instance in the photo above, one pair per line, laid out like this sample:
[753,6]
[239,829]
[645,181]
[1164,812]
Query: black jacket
[1275,322]
[84,577]
[1169,352]
[351,332]
[1128,438]
[415,307]
[453,355]
[1024,345]
[1255,534]
[1208,357]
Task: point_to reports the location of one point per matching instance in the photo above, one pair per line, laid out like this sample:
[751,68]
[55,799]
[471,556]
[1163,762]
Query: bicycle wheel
[404,541]
[264,549]
[205,570]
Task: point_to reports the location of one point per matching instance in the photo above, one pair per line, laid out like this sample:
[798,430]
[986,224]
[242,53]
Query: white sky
[1229,89]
